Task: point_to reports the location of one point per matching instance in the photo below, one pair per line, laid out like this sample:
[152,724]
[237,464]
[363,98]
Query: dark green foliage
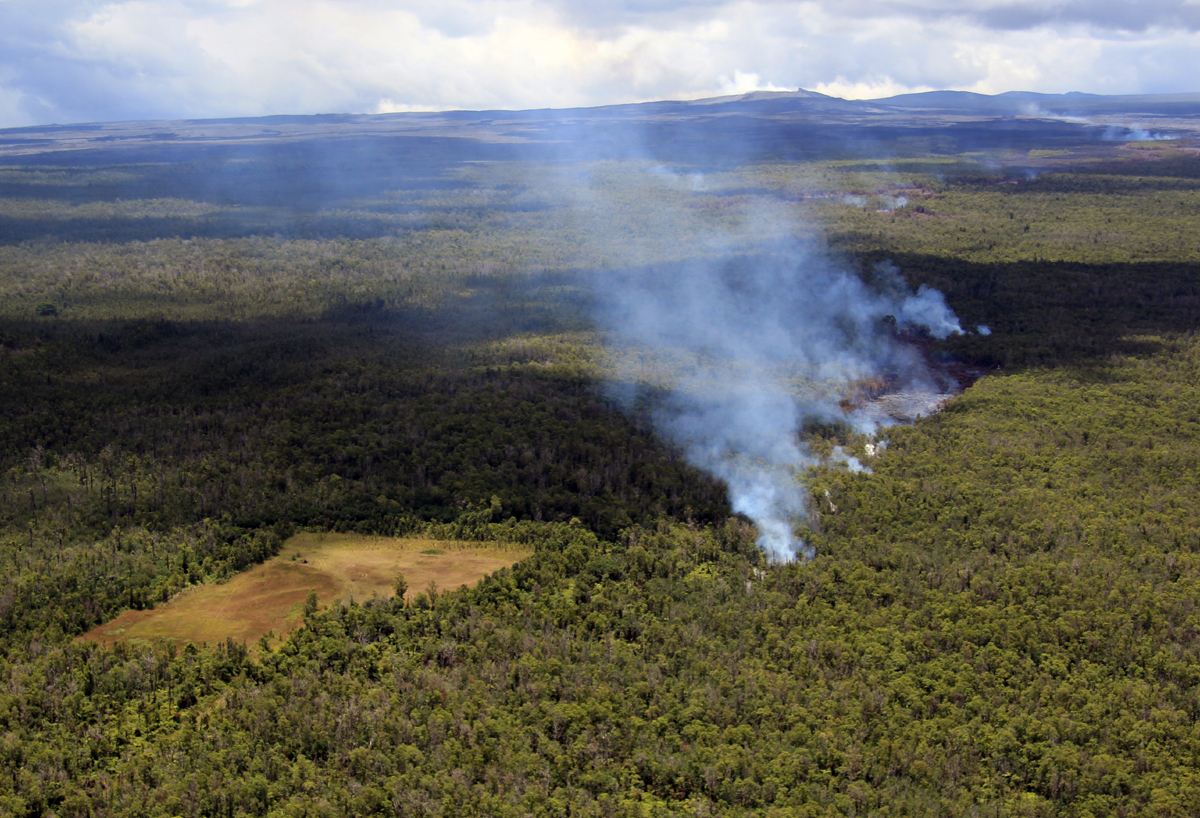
[1000,620]
[268,428]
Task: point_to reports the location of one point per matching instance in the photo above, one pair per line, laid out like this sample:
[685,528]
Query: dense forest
[1002,616]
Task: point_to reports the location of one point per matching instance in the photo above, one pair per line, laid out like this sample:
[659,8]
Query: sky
[65,61]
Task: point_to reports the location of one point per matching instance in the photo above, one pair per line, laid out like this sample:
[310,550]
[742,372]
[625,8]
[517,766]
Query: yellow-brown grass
[270,597]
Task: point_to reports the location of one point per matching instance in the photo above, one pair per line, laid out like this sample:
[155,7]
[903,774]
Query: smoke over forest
[751,342]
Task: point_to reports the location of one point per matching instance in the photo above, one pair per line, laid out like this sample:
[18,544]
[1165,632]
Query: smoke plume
[744,347]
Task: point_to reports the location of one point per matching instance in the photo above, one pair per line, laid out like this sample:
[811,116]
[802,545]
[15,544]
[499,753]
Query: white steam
[749,347]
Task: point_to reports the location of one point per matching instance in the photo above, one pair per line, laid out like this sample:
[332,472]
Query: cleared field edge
[269,598]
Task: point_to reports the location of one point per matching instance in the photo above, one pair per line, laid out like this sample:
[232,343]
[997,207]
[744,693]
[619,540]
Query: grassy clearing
[270,597]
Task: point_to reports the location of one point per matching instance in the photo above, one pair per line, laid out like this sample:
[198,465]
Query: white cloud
[744,83]
[871,88]
[73,60]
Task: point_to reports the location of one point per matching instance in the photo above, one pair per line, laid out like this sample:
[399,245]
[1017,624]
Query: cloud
[1007,15]
[1103,15]
[870,88]
[80,60]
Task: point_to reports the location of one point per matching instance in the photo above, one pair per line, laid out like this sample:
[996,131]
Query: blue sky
[87,60]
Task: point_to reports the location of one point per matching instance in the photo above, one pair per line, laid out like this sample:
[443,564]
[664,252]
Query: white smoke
[1032,109]
[843,457]
[752,347]
[689,181]
[1114,133]
[928,309]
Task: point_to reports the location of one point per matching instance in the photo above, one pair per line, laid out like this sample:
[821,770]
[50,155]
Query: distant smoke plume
[1134,134]
[1035,110]
[749,346]
[1112,133]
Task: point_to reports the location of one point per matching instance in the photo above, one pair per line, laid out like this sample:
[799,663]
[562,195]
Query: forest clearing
[270,597]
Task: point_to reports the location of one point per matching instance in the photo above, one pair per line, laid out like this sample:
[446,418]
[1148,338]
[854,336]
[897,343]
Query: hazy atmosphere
[68,61]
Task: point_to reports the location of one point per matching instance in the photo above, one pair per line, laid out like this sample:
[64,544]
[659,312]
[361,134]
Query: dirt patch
[270,597]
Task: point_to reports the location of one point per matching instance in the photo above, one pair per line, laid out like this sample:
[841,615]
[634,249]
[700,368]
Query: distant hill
[1030,103]
[705,132]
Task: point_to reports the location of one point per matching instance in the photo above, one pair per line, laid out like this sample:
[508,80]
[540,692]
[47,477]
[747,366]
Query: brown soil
[270,597]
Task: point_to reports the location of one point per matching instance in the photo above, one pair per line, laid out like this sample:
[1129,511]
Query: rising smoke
[749,346]
[1114,133]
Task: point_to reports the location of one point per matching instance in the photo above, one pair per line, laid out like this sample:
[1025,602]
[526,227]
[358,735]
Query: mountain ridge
[710,131]
[943,99]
